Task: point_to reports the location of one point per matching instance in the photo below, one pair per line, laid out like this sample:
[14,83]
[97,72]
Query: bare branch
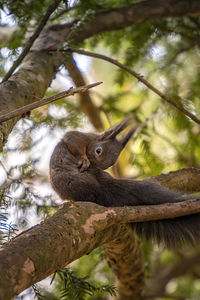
[30,42]
[140,78]
[41,102]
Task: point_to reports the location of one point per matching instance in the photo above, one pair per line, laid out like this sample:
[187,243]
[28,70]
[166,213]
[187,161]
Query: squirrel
[77,173]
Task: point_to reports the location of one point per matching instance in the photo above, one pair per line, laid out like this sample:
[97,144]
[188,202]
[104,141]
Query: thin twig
[30,42]
[140,78]
[22,110]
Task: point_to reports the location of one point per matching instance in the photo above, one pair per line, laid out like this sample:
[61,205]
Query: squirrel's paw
[83,164]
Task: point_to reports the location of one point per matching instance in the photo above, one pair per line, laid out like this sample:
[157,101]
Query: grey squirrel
[77,173]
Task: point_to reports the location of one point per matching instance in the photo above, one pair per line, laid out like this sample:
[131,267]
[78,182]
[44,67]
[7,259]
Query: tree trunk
[126,259]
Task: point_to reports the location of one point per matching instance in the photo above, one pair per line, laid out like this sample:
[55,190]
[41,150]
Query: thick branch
[74,230]
[136,13]
[126,260]
[59,240]
[186,180]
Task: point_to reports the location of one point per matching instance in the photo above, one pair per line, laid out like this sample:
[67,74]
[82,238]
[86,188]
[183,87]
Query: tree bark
[126,260]
[74,230]
[38,252]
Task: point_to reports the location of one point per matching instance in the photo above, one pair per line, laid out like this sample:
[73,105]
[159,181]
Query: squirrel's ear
[124,140]
[112,132]
[108,147]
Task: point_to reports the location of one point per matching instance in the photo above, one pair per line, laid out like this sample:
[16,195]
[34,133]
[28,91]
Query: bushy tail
[172,232]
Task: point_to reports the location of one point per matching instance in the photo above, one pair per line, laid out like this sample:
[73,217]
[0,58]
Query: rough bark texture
[127,262]
[45,248]
[74,230]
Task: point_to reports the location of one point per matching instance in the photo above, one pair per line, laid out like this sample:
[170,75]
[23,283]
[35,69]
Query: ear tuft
[113,131]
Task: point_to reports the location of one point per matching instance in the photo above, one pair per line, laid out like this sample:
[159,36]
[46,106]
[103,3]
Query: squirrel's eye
[98,150]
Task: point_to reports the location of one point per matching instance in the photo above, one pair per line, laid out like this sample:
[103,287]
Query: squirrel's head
[104,150]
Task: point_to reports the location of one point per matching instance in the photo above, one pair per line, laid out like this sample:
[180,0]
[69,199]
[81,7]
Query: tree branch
[140,78]
[86,102]
[30,42]
[74,230]
[135,13]
[186,180]
[126,260]
[22,110]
